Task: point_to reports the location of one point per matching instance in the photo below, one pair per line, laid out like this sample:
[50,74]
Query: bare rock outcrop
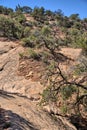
[9,79]
[23,114]
[18,111]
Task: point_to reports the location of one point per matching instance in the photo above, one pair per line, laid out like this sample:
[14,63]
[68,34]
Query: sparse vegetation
[33,54]
[42,39]
[26,42]
[67,91]
[64,109]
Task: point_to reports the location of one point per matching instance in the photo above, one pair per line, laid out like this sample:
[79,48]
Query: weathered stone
[21,108]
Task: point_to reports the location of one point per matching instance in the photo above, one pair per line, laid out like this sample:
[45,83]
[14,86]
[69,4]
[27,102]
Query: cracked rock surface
[9,80]
[22,114]
[18,111]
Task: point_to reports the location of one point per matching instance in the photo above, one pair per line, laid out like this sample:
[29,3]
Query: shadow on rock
[5,94]
[8,119]
[79,122]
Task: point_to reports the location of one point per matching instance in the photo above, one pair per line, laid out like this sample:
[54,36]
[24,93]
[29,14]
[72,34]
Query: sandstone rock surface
[19,96]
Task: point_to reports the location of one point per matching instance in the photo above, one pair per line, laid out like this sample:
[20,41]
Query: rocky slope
[23,114]
[19,96]
[9,80]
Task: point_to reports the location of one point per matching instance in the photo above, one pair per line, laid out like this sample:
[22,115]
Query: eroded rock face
[20,109]
[9,80]
[23,114]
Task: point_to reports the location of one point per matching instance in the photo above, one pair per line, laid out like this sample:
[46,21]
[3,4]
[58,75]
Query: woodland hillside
[43,69]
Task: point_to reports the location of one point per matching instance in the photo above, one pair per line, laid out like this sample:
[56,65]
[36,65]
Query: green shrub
[18,30]
[21,55]
[46,30]
[9,28]
[64,109]
[18,16]
[81,68]
[84,48]
[67,91]
[26,32]
[48,95]
[45,57]
[27,43]
[33,54]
